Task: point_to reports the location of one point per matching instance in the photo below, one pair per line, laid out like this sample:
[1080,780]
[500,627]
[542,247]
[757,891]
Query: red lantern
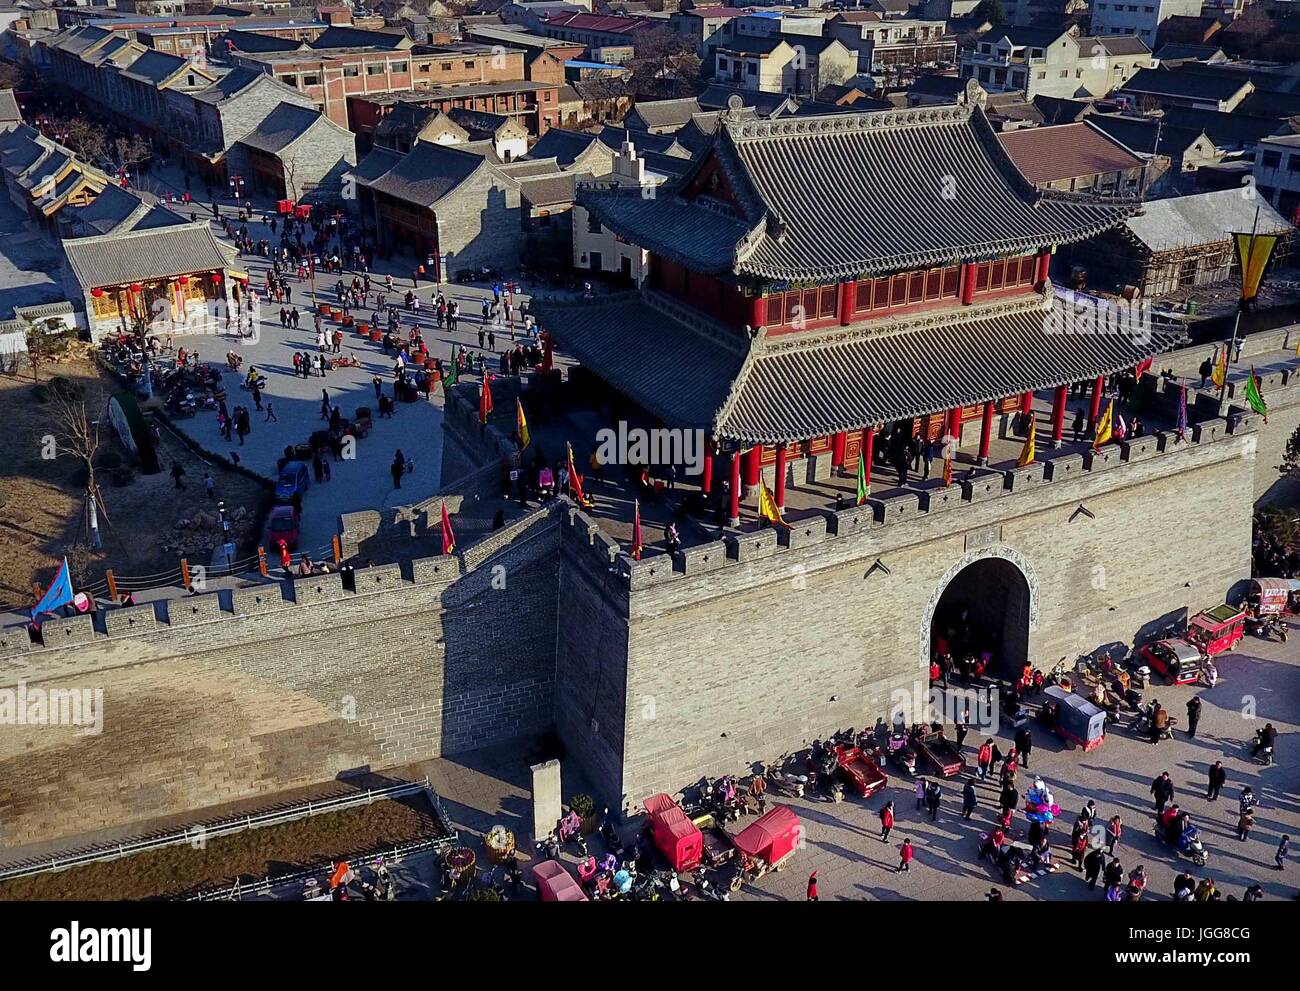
[183,280]
[136,287]
[97,293]
[216,278]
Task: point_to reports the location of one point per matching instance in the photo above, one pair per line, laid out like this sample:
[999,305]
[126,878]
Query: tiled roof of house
[663,113]
[283,126]
[803,186]
[552,190]
[9,111]
[426,174]
[1187,85]
[772,390]
[1050,154]
[160,253]
[563,145]
[1202,218]
[155,67]
[1141,134]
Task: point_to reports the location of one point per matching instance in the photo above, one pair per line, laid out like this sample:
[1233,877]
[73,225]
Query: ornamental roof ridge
[689,318]
[742,129]
[895,326]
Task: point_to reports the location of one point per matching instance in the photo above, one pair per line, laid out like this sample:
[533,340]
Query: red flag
[637,545]
[448,538]
[575,482]
[1142,367]
[485,400]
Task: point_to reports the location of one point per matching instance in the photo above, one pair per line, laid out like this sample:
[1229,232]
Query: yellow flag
[521,425]
[1220,372]
[767,507]
[1030,451]
[1103,426]
[1253,253]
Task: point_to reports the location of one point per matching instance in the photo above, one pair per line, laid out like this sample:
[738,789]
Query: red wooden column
[753,466]
[1058,414]
[847,297]
[758,313]
[1042,266]
[780,476]
[838,443]
[986,433]
[954,424]
[1027,403]
[734,511]
[1094,413]
[706,480]
[967,283]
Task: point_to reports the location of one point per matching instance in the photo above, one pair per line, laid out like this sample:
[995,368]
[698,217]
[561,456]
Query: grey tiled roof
[282,127]
[797,386]
[562,145]
[663,113]
[427,173]
[111,210]
[1203,218]
[120,259]
[231,84]
[155,67]
[548,190]
[9,107]
[840,196]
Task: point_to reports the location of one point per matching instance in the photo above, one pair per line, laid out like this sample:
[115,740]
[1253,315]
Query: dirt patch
[247,856]
[42,514]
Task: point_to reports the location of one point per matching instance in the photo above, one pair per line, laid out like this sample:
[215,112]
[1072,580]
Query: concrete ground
[416,428]
[841,841]
[29,262]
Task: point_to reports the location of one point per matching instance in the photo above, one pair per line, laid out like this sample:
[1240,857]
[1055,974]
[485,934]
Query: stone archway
[988,598]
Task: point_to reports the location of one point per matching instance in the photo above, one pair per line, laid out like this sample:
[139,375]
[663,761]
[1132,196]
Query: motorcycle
[708,889]
[789,785]
[609,834]
[1141,724]
[1189,843]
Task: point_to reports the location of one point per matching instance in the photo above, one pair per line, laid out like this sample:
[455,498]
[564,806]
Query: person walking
[1113,877]
[1218,776]
[1162,790]
[1193,715]
[324,404]
[1078,843]
[378,383]
[1283,847]
[255,391]
[905,855]
[886,821]
[932,800]
[270,413]
[921,785]
[1024,744]
[968,799]
[1092,867]
[1245,823]
[984,759]
[1114,830]
[209,485]
[1010,796]
[396,469]
[963,726]
[812,886]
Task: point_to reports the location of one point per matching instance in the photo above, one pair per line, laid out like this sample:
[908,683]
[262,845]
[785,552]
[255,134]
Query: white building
[597,249]
[1056,63]
[1142,19]
[1277,173]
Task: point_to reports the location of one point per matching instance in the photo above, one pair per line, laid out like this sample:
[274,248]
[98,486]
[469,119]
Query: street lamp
[237,186]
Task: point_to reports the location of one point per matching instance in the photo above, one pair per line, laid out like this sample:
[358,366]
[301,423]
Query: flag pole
[1241,304]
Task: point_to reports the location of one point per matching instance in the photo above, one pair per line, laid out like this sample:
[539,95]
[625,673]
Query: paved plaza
[842,841]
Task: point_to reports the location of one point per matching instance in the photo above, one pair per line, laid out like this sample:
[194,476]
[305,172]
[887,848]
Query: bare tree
[86,138]
[77,437]
[128,151]
[664,64]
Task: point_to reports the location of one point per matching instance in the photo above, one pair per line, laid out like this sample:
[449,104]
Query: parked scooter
[787,784]
[708,889]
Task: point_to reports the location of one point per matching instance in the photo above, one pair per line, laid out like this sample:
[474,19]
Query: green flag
[864,489]
[450,378]
[1254,398]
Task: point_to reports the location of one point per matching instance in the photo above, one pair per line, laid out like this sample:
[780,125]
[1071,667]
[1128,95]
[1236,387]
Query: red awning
[771,837]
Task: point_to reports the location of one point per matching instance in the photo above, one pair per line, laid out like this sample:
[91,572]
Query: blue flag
[58,594]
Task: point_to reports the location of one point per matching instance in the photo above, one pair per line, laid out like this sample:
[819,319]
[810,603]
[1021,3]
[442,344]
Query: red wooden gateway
[783,326]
